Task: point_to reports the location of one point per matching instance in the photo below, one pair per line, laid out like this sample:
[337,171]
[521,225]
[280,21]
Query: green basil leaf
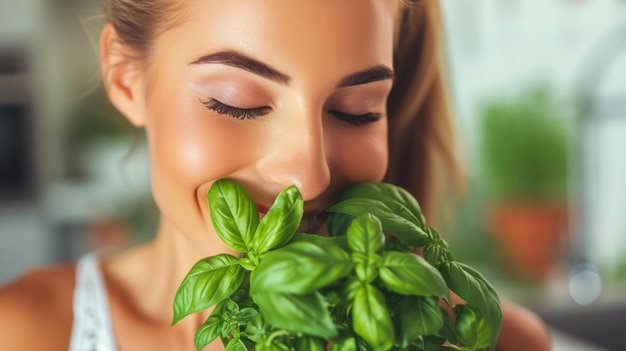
[365,238]
[246,315]
[435,236]
[280,346]
[434,254]
[236,345]
[403,212]
[209,281]
[348,344]
[409,274]
[435,339]
[262,345]
[433,347]
[247,263]
[366,269]
[439,250]
[306,314]
[256,330]
[339,241]
[276,345]
[371,319]
[310,344]
[300,268]
[208,332]
[447,331]
[474,289]
[363,345]
[233,214]
[349,289]
[405,230]
[471,328]
[230,308]
[338,223]
[280,222]
[386,193]
[417,316]
[365,234]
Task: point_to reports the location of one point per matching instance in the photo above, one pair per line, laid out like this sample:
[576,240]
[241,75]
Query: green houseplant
[524,162]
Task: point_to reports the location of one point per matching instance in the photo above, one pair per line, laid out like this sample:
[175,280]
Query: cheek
[361,154]
[186,149]
[189,150]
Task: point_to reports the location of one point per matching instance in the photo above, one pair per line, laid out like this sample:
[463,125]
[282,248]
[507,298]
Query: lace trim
[91,329]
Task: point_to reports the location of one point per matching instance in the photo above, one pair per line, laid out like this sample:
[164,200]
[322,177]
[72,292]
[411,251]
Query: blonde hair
[422,152]
[421,139]
[139,22]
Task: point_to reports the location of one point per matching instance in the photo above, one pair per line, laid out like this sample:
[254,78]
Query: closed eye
[235,112]
[357,120]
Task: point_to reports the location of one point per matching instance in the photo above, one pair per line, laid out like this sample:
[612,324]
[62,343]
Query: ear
[121,76]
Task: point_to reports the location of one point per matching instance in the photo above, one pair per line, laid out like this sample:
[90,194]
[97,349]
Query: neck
[172,255]
[151,274]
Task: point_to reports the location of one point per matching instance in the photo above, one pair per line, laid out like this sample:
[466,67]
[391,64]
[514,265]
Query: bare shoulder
[36,310]
[522,330]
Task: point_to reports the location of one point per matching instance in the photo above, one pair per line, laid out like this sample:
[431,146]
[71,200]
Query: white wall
[18,19]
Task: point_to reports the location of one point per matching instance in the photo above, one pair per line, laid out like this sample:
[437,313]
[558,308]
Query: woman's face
[269,93]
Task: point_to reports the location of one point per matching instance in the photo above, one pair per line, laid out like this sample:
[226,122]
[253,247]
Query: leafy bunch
[362,288]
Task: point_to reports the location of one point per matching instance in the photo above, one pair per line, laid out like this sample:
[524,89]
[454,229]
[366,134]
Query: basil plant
[362,288]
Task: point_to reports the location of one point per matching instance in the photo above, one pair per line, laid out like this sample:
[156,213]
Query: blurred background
[73,173]
[539,93]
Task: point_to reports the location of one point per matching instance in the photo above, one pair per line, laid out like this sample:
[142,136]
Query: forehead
[345,35]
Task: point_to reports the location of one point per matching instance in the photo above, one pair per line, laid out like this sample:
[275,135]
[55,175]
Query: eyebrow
[247,63]
[374,74]
[239,60]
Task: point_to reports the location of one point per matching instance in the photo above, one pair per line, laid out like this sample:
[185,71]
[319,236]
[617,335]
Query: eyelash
[254,113]
[235,112]
[357,120]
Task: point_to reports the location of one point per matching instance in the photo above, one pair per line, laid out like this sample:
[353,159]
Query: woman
[268,93]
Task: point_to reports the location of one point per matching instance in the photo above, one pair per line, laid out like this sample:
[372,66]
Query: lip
[262,209]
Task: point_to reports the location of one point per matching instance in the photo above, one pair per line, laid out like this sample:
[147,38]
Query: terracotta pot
[531,236]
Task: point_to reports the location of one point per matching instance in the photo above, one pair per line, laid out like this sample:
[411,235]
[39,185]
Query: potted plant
[524,162]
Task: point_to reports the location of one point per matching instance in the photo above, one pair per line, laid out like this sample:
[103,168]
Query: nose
[295,154]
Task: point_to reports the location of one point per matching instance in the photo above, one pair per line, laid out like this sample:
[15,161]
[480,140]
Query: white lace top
[91,330]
